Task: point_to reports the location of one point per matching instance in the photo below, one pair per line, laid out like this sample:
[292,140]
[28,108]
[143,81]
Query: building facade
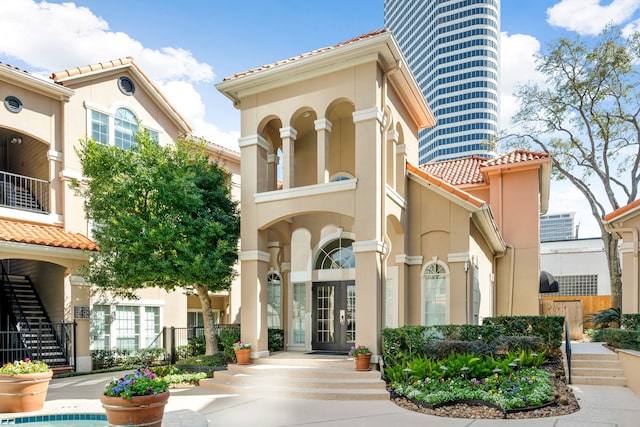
[559,226]
[44,235]
[352,236]
[452,47]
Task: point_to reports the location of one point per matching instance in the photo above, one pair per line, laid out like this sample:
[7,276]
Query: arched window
[340,176]
[126,128]
[273,300]
[337,254]
[435,294]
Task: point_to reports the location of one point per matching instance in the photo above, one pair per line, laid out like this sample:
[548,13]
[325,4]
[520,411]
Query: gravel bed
[564,402]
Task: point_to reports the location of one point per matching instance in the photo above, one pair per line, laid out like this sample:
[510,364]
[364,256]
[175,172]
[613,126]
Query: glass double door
[334,315]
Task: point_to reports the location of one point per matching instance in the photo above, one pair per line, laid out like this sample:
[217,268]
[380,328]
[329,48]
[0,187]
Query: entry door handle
[342,317]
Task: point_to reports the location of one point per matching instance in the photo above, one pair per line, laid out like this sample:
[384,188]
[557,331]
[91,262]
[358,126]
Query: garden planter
[243,356]
[23,392]
[363,361]
[139,411]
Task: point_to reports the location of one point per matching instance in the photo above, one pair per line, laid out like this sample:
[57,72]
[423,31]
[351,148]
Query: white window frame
[423,287]
[110,113]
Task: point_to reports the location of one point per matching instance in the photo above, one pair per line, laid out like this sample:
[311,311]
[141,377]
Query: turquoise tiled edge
[58,417]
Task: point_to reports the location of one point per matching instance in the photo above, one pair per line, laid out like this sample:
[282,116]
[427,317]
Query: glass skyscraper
[452,47]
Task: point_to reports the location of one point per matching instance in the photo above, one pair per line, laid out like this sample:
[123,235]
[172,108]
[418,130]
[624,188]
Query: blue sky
[188,46]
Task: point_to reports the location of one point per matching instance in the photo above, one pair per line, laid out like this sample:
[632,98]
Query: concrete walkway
[601,406]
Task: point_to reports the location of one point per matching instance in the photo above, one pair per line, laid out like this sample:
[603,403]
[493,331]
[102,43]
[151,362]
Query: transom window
[337,254]
[435,290]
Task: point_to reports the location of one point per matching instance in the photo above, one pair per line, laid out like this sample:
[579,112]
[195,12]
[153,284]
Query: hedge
[631,321]
[549,328]
[621,338]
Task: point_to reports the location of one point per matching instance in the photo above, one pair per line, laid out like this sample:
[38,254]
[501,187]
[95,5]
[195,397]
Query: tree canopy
[161,216]
[586,117]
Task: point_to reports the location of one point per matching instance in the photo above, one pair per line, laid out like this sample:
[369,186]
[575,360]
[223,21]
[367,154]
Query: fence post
[75,347]
[173,345]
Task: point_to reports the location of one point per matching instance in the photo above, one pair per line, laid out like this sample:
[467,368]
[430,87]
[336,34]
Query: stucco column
[403,261]
[368,227]
[392,138]
[254,257]
[400,171]
[55,192]
[253,311]
[272,171]
[323,129]
[288,135]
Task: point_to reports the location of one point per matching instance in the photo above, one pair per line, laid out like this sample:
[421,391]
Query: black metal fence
[174,339]
[37,344]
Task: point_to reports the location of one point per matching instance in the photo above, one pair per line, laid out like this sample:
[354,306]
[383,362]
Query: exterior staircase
[29,317]
[593,364]
[295,376]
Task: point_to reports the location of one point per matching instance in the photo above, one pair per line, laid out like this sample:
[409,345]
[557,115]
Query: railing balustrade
[22,192]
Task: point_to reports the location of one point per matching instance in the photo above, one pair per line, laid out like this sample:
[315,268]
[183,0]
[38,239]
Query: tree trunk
[615,272]
[210,338]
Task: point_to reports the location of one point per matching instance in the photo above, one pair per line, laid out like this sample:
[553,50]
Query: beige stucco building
[624,223]
[44,236]
[343,234]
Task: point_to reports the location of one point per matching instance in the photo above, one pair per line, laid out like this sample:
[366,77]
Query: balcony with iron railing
[24,193]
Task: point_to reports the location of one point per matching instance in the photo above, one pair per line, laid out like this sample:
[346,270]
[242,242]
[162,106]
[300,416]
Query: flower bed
[529,387]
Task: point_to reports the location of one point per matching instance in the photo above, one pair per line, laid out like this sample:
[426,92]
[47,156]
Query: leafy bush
[125,358]
[631,321]
[186,378]
[220,359]
[197,345]
[226,339]
[441,349]
[621,338]
[276,339]
[549,328]
[514,344]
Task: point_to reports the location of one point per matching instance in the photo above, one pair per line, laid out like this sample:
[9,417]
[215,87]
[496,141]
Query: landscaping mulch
[564,402]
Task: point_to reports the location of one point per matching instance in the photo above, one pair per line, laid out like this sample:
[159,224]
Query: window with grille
[337,254]
[100,127]
[576,285]
[151,325]
[299,312]
[126,128]
[435,294]
[273,300]
[127,324]
[100,327]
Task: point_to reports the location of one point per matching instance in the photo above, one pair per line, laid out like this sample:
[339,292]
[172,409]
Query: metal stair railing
[567,349]
[16,314]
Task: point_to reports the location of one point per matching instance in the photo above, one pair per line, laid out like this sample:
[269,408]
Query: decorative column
[368,226]
[392,140]
[404,262]
[323,129]
[55,192]
[254,256]
[272,172]
[288,136]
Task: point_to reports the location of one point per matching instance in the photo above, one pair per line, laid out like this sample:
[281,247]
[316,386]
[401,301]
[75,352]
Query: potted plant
[362,356]
[24,385]
[243,352]
[138,398]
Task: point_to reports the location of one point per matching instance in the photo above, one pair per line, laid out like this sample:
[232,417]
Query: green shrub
[621,338]
[441,349]
[186,378]
[276,339]
[549,328]
[508,344]
[631,321]
[226,339]
[197,345]
[220,359]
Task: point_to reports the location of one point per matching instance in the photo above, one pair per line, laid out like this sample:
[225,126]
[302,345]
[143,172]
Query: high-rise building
[452,48]
[560,226]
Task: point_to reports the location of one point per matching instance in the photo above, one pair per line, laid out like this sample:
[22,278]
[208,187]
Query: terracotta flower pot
[362,362]
[23,392]
[243,356]
[139,411]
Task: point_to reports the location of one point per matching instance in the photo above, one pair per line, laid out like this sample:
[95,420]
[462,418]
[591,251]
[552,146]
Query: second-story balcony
[25,193]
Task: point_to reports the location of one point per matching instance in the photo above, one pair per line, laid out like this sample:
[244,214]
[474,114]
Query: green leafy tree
[162,217]
[586,117]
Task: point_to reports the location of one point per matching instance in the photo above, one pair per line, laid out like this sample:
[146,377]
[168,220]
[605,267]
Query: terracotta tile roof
[468,170]
[622,210]
[458,171]
[47,235]
[13,68]
[516,156]
[303,55]
[445,186]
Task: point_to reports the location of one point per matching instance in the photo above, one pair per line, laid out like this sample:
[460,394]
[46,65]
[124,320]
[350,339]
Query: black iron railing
[567,349]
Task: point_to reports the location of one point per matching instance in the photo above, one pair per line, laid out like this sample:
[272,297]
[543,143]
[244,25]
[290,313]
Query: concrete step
[301,378]
[620,382]
[597,372]
[597,368]
[597,364]
[598,356]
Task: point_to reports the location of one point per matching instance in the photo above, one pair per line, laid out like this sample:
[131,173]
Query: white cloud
[50,37]
[589,16]
[517,56]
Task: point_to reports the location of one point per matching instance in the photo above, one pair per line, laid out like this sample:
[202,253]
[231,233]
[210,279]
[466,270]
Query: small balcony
[24,193]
